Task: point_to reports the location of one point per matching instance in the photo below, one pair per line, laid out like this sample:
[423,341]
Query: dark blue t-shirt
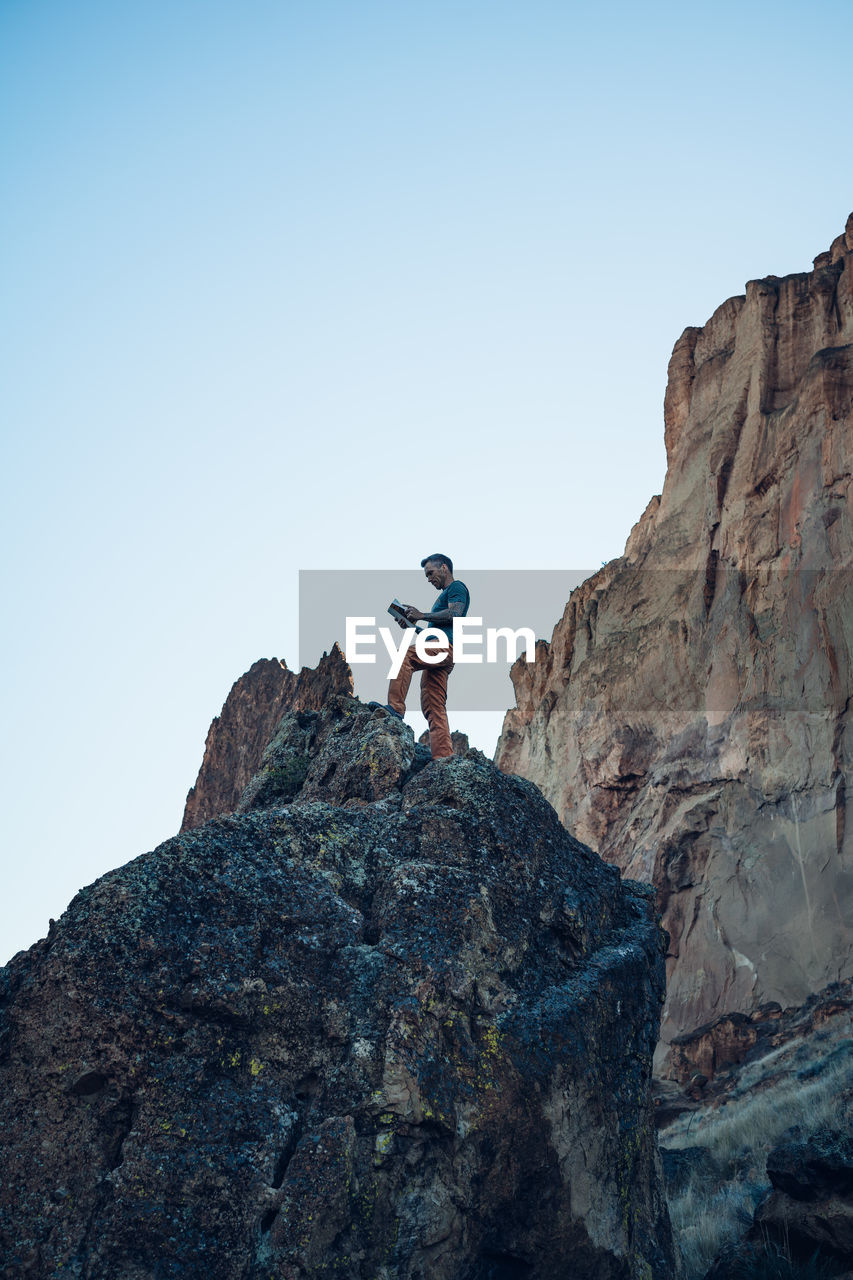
[456,592]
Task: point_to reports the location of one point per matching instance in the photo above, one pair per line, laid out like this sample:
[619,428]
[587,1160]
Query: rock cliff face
[738,1037]
[389,1020]
[690,718]
[238,736]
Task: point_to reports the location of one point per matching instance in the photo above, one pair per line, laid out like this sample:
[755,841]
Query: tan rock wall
[690,718]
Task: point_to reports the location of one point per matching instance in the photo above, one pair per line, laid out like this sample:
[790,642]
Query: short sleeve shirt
[456,593]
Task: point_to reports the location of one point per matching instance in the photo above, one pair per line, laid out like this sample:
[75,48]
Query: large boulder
[399,1028]
[810,1168]
[811,1205]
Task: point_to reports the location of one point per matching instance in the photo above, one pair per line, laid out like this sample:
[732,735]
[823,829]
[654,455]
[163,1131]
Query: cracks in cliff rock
[329,774]
[769,359]
[801,862]
[122,1113]
[625,782]
[286,1155]
[720,356]
[723,477]
[267,1219]
[727,461]
[839,776]
[766,483]
[213,1012]
[590,620]
[307,1086]
[736,878]
[840,819]
[697,908]
[371,908]
[119,1121]
[280,1171]
[822,869]
[710,585]
[833,307]
[820,611]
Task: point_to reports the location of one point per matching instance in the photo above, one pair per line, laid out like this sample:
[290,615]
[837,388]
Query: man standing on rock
[453,602]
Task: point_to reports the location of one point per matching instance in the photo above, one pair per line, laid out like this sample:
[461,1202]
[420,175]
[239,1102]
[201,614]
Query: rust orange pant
[433,694]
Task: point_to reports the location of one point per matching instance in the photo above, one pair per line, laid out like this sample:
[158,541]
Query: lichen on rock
[387,1020]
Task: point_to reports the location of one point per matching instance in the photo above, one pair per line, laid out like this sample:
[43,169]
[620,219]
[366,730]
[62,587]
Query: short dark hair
[437,559]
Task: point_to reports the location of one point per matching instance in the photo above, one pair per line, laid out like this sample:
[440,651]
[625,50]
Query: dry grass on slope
[805,1085]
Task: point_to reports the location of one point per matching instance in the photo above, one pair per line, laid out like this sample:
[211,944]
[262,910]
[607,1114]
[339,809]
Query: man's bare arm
[439,616]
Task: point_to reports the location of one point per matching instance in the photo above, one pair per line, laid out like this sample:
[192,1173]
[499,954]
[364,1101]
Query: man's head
[438,570]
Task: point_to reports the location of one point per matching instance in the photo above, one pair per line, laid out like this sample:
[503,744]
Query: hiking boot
[386,706]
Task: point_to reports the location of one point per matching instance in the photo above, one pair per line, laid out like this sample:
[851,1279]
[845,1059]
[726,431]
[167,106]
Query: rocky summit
[388,1020]
[238,736]
[691,717]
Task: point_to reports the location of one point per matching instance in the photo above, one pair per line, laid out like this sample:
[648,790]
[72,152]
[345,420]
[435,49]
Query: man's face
[436,574]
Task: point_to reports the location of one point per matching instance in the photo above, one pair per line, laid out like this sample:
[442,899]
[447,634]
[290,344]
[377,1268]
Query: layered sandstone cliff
[238,736]
[690,718]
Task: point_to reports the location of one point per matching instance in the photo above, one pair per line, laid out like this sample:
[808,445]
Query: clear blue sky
[266,264]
